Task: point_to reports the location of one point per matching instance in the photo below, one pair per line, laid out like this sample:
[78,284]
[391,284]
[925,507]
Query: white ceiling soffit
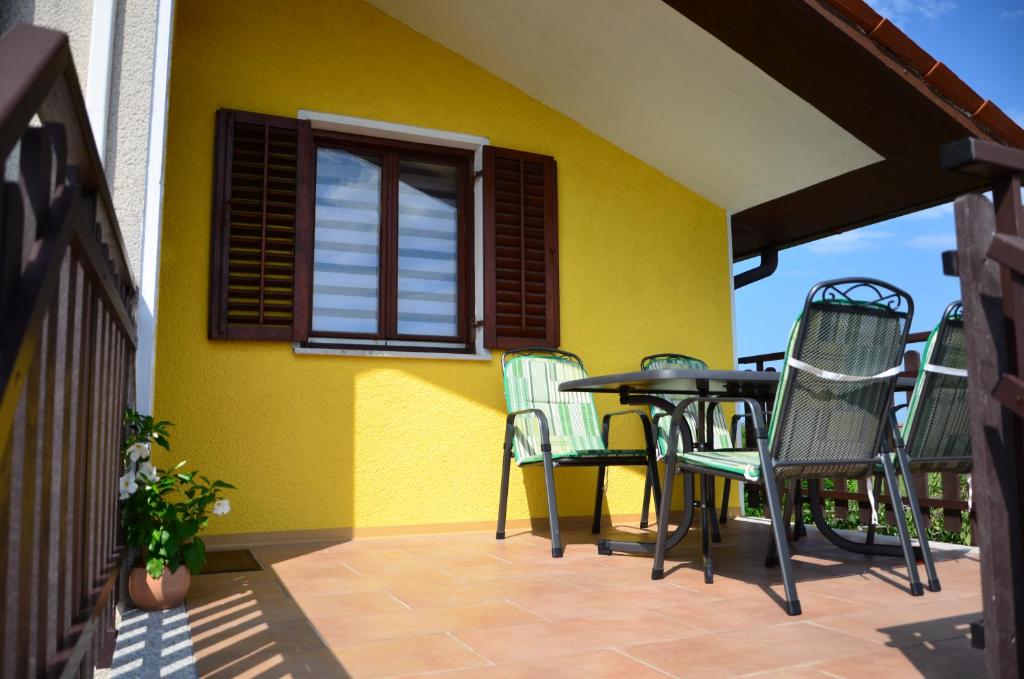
[655,84]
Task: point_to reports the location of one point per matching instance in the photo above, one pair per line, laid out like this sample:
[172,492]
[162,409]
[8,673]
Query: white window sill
[390,353]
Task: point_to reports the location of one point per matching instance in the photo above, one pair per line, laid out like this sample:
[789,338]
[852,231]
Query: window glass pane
[346,250]
[427,248]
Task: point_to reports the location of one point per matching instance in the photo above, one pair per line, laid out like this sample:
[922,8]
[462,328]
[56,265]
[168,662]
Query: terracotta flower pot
[161,593]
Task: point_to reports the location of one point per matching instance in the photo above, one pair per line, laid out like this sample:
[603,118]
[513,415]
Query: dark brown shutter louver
[252,269]
[520,249]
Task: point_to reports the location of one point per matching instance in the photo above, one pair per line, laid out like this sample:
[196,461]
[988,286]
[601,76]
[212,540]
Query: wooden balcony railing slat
[67,343]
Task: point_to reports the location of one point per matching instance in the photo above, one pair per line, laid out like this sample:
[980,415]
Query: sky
[977,39]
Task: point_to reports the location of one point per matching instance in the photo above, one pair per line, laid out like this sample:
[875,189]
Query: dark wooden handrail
[760,359]
[67,347]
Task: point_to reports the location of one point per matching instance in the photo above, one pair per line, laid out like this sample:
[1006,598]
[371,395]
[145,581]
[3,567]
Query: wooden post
[996,446]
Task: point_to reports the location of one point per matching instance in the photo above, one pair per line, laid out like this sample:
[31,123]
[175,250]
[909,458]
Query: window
[391,242]
[333,239]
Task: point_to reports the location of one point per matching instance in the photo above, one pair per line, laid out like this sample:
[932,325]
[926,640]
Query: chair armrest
[545,431]
[894,425]
[686,433]
[606,424]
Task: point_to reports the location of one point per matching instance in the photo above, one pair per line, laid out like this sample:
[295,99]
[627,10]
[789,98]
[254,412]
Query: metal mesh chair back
[838,378]
[532,378]
[937,430]
[719,437]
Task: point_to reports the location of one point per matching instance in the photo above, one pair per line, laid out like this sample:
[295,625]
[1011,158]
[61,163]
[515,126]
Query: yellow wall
[332,441]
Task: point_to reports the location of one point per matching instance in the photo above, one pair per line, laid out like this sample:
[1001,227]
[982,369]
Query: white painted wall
[129,97]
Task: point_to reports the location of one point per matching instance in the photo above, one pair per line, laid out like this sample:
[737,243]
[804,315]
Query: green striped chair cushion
[722,439]
[745,463]
[531,382]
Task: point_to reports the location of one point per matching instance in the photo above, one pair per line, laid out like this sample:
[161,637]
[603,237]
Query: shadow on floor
[247,624]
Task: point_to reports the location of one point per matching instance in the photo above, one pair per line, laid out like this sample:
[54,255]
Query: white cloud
[901,12]
[933,242]
[1012,14]
[851,241]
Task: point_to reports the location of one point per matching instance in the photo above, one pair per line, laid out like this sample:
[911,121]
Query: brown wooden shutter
[520,249]
[256,204]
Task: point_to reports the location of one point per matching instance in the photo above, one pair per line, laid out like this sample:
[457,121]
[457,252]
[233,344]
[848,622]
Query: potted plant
[163,511]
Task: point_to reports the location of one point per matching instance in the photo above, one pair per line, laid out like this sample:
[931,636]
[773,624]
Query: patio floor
[464,604]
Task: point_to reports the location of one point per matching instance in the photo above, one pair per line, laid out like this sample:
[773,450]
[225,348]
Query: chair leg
[595,528]
[771,559]
[916,588]
[771,492]
[652,471]
[506,464]
[658,570]
[915,510]
[549,484]
[716,535]
[645,510]
[798,508]
[789,509]
[726,487]
[707,521]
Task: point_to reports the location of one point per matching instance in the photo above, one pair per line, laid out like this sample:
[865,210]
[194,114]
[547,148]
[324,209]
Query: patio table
[644,388]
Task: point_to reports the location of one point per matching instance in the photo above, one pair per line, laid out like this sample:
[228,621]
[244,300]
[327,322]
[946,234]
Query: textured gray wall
[131,81]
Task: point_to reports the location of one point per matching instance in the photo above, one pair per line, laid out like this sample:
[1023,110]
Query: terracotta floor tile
[317,605]
[603,664]
[903,625]
[461,604]
[406,655]
[950,659]
[271,662]
[420,596]
[539,640]
[597,604]
[337,631]
[737,614]
[750,650]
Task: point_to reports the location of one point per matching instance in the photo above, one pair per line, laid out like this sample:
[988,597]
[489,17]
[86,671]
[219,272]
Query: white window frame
[385,130]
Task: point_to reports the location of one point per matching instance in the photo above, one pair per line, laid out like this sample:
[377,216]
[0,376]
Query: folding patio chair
[717,430]
[830,413]
[936,436]
[561,429]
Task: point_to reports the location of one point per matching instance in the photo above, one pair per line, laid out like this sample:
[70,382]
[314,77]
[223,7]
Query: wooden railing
[949,498]
[67,343]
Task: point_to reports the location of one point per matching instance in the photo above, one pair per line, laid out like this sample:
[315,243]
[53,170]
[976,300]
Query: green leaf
[155,567]
[195,555]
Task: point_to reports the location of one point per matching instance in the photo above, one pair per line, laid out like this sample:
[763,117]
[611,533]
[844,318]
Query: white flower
[221,507]
[138,451]
[147,472]
[127,485]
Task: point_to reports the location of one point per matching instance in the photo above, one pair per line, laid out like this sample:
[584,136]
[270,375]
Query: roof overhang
[786,113]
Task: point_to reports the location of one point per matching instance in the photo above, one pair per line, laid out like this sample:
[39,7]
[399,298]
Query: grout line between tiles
[529,610]
[397,599]
[642,662]
[471,649]
[449,573]
[346,565]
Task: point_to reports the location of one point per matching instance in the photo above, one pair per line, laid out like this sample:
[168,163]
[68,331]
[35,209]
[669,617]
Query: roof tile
[992,117]
[953,88]
[938,76]
[859,13]
[906,50]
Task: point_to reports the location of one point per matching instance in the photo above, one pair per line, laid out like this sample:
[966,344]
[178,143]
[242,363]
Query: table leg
[644,547]
[817,513]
